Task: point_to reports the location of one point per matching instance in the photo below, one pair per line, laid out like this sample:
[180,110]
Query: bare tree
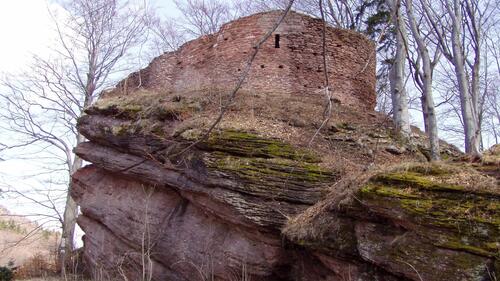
[397,72]
[459,27]
[41,106]
[491,85]
[423,67]
[202,17]
[167,35]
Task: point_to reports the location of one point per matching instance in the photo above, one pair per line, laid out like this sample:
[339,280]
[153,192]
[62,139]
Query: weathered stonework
[289,63]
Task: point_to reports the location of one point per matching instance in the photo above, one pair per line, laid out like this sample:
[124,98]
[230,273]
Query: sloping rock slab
[135,220]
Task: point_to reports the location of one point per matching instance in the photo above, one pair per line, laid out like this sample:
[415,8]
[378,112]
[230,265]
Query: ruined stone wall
[215,62]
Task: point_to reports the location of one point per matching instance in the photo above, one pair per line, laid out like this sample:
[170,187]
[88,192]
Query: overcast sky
[26,29]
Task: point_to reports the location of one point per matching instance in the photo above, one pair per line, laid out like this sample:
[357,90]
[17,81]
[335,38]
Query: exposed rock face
[422,221]
[258,200]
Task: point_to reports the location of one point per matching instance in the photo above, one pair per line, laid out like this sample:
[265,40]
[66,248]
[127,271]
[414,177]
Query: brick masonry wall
[215,62]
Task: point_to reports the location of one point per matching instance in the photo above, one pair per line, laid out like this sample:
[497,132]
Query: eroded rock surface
[418,221]
[273,193]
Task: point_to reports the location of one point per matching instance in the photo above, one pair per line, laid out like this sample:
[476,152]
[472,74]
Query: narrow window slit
[276,41]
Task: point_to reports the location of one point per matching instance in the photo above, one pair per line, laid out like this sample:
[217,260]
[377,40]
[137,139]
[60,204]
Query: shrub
[37,266]
[6,273]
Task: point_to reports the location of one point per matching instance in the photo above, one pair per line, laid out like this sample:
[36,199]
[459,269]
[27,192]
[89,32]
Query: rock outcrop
[274,193]
[420,221]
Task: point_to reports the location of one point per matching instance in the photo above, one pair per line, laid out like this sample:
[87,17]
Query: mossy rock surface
[453,215]
[250,144]
[413,256]
[242,161]
[266,167]
[145,105]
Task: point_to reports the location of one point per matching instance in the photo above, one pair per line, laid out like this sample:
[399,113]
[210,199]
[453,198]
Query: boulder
[274,191]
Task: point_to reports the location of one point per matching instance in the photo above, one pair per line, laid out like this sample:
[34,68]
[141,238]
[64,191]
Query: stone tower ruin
[289,63]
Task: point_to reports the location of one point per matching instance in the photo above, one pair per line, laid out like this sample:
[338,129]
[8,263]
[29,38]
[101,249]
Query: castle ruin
[290,62]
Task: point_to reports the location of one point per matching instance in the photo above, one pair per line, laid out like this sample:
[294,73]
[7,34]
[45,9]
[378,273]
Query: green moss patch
[411,179]
[145,104]
[264,167]
[278,179]
[257,168]
[248,144]
[441,177]
[488,249]
[467,220]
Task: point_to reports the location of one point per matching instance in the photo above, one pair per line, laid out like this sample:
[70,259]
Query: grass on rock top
[425,195]
[146,104]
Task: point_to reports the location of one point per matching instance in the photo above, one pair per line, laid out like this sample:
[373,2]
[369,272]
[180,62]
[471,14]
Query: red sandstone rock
[257,200]
[158,216]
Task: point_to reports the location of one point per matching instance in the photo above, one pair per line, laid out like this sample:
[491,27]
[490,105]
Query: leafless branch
[242,78]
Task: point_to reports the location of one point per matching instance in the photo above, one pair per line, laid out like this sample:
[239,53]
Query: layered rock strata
[273,193]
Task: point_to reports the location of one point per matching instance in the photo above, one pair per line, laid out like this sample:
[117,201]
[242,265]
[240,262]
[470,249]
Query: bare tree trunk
[68,233]
[470,124]
[427,98]
[473,23]
[397,76]
[431,121]
[425,113]
[70,214]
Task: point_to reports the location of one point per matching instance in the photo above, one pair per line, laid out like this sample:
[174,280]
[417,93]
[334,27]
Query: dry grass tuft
[323,218]
[320,219]
[457,174]
[492,156]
